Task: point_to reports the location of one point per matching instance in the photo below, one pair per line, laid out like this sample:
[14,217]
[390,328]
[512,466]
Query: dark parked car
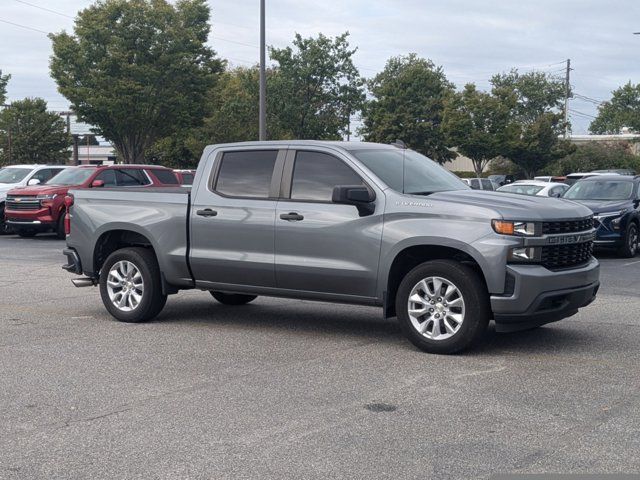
[615,202]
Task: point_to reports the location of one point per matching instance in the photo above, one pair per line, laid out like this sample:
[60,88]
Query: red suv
[33,209]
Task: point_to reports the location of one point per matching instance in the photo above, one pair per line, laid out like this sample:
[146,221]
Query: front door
[324,247]
[232,220]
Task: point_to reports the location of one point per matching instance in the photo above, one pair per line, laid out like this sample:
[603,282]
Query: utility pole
[262,124]
[567,91]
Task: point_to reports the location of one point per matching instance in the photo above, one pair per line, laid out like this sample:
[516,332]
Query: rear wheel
[630,242]
[233,298]
[130,285]
[443,306]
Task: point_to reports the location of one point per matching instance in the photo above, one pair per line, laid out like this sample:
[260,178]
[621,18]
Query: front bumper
[541,296]
[31,218]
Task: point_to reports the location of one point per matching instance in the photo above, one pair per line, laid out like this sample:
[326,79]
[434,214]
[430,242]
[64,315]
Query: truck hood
[40,190]
[511,206]
[602,206]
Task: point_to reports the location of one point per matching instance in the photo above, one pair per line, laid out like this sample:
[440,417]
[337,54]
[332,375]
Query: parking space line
[631,263]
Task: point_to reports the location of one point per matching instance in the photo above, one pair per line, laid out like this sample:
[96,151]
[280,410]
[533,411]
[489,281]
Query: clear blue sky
[471,39]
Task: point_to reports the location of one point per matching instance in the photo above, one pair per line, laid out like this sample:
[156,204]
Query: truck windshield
[600,190]
[13,175]
[72,176]
[406,171]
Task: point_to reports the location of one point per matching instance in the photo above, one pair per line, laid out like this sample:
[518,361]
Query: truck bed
[159,214]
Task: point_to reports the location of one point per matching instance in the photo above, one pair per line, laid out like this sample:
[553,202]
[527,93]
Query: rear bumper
[541,296]
[73,264]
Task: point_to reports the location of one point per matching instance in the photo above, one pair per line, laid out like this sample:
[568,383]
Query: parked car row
[32,197]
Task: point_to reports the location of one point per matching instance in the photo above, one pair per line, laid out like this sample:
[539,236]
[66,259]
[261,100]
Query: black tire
[5,228]
[233,298]
[60,231]
[152,301]
[630,242]
[476,300]
[27,232]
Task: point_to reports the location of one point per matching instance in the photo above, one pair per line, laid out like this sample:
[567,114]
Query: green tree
[536,121]
[597,156]
[4,79]
[408,103]
[317,88]
[37,136]
[623,110]
[139,70]
[478,125]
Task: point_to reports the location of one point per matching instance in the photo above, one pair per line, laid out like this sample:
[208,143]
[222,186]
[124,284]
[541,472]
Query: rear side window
[316,174]
[475,184]
[46,174]
[165,176]
[108,177]
[486,184]
[246,174]
[131,177]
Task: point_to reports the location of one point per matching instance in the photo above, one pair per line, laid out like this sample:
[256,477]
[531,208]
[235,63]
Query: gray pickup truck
[359,223]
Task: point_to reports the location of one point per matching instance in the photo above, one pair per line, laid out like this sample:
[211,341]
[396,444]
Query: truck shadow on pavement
[310,318]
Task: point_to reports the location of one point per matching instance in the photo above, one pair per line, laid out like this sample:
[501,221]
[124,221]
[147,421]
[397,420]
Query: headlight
[521,229]
[602,216]
[48,196]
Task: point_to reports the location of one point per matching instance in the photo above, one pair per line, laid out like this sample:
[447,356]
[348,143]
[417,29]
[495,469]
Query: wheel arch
[406,257]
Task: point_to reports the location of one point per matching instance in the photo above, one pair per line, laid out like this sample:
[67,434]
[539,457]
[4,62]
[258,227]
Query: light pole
[262,124]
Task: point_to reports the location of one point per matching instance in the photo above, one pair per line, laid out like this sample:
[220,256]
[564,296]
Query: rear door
[321,246]
[232,219]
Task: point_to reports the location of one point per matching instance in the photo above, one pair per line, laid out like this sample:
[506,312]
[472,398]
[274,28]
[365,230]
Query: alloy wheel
[125,286]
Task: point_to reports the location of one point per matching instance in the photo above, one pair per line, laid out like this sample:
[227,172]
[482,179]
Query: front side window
[406,171]
[46,174]
[108,177]
[486,184]
[187,178]
[521,189]
[316,174]
[131,177]
[475,184]
[600,190]
[246,174]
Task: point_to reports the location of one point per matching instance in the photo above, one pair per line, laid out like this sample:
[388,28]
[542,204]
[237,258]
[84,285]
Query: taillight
[68,202]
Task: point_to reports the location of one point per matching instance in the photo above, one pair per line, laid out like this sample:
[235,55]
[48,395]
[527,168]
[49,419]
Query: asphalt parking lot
[292,389]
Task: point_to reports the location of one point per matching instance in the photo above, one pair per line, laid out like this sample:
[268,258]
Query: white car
[535,187]
[15,176]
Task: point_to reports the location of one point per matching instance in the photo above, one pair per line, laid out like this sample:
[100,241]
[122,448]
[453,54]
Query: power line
[581,113]
[44,8]
[24,26]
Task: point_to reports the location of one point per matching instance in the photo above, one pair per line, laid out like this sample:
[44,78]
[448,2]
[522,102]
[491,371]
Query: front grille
[566,256]
[23,203]
[567,226]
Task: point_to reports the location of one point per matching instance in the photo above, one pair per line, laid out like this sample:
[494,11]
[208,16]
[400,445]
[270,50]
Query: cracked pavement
[293,389]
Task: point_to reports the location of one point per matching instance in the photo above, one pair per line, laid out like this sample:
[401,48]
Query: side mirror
[33,181]
[359,196]
[97,183]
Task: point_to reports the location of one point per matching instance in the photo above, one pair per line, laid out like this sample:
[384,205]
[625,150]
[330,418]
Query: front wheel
[130,285]
[233,298]
[443,306]
[629,247]
[5,228]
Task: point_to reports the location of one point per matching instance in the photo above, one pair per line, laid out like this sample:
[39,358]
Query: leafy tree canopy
[596,156]
[138,70]
[623,110]
[4,79]
[37,136]
[317,88]
[408,104]
[535,99]
[478,125]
